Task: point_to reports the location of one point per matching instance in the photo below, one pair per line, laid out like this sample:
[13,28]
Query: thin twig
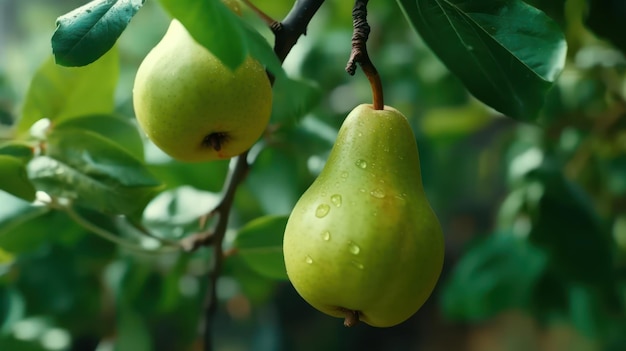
[105,234]
[269,21]
[359,53]
[286,35]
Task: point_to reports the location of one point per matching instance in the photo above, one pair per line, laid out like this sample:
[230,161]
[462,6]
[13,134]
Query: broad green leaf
[59,93]
[22,151]
[507,53]
[15,211]
[566,224]
[119,130]
[258,288]
[496,274]
[260,244]
[88,32]
[14,179]
[94,172]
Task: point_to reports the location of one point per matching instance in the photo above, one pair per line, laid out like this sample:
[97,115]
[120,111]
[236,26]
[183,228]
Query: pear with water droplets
[362,243]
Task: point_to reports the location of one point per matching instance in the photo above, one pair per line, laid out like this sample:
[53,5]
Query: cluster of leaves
[76,163]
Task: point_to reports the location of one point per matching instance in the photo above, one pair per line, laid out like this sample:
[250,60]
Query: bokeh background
[534,215]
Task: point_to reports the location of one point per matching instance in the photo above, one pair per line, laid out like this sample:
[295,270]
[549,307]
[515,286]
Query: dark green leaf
[14,179]
[260,244]
[59,93]
[88,32]
[567,226]
[22,151]
[496,274]
[118,130]
[506,52]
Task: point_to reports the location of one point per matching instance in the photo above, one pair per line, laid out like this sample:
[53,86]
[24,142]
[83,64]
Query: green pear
[363,242]
[195,108]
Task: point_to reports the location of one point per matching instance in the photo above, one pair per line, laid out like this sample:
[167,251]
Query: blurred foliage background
[534,214]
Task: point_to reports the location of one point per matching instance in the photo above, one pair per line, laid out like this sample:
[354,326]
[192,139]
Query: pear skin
[195,108]
[363,242]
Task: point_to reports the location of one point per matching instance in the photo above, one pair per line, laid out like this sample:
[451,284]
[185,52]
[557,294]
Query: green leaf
[214,26]
[496,274]
[12,308]
[118,130]
[59,93]
[14,215]
[260,244]
[88,32]
[566,224]
[506,52]
[14,179]
[174,213]
[22,151]
[132,331]
[293,99]
[93,172]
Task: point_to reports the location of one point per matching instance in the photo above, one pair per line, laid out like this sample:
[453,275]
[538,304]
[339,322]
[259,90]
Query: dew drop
[377,193]
[336,200]
[322,210]
[344,175]
[353,248]
[360,134]
[362,190]
[358,265]
[308,259]
[361,163]
[326,235]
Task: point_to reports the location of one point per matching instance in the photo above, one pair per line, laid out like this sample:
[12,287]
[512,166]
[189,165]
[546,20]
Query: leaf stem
[359,53]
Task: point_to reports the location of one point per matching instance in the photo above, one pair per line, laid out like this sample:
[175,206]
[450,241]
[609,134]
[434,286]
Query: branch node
[359,53]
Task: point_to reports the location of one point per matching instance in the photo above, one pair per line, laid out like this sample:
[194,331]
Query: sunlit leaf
[88,32]
[117,129]
[59,93]
[506,52]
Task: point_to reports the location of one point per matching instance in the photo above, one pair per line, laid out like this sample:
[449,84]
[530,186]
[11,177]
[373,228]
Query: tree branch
[359,53]
[286,35]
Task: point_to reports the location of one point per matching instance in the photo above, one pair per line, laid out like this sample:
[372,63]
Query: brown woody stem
[286,34]
[359,53]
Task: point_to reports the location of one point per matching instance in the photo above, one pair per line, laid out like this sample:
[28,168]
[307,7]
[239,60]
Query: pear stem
[351,317]
[359,53]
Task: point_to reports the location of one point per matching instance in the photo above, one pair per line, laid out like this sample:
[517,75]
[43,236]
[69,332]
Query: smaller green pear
[363,243]
[195,108]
